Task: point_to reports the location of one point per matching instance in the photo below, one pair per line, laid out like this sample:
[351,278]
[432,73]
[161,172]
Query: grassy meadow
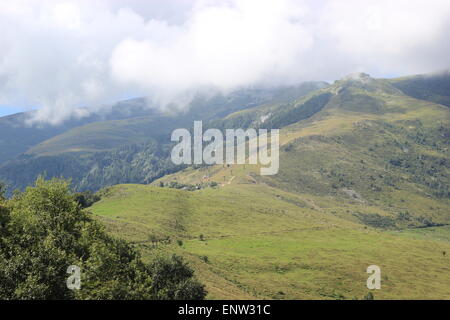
[252,241]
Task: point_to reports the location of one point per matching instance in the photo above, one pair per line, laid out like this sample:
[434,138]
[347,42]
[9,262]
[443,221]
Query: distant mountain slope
[434,88]
[17,135]
[107,135]
[369,144]
[137,127]
[106,149]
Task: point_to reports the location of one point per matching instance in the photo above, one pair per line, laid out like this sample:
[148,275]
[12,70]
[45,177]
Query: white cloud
[226,46]
[63,54]
[401,36]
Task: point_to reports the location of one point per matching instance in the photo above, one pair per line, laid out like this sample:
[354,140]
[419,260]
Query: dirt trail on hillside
[229,181]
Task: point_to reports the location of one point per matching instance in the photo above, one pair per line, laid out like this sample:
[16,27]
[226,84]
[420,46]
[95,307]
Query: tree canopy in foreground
[43,231]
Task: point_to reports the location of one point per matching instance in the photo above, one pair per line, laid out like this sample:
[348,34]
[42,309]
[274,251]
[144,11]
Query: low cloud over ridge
[60,55]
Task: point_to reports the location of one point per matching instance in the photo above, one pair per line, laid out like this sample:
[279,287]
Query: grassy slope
[435,88]
[299,234]
[346,147]
[129,145]
[266,243]
[140,124]
[18,135]
[105,135]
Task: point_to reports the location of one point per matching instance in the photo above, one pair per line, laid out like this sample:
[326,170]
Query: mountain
[433,87]
[128,144]
[18,137]
[364,179]
[360,140]
[19,133]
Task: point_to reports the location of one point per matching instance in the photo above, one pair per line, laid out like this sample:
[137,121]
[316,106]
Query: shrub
[376,220]
[86,199]
[369,296]
[213,184]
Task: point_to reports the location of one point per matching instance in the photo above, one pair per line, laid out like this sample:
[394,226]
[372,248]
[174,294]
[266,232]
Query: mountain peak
[363,82]
[358,76]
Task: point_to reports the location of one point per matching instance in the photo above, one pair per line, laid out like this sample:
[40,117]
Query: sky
[59,55]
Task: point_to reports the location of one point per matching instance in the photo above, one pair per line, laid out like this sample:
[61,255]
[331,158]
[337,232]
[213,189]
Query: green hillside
[106,135]
[364,179]
[18,134]
[260,242]
[131,144]
[434,88]
[140,125]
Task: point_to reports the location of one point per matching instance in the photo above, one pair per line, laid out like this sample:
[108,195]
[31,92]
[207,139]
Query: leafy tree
[86,199]
[2,191]
[43,231]
[169,280]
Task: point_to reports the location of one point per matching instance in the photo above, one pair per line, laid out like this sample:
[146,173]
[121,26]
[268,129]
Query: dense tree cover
[282,116]
[43,231]
[86,199]
[137,163]
[434,88]
[289,115]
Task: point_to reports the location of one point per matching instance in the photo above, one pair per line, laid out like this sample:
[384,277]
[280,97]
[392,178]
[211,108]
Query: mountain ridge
[94,155]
